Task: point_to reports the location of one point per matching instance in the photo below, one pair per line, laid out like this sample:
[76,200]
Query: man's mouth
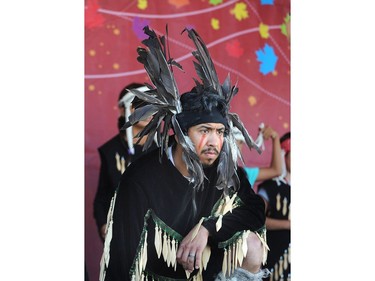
[210,152]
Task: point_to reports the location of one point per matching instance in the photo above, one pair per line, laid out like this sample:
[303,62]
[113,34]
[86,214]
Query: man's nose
[213,139]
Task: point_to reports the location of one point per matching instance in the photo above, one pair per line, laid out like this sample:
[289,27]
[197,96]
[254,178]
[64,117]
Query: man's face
[208,140]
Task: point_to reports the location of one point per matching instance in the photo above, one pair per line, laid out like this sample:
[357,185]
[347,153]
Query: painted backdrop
[248,39]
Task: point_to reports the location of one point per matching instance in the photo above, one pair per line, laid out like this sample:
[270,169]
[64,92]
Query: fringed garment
[114,159]
[152,212]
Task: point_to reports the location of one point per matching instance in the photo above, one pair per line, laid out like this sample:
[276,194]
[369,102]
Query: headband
[190,118]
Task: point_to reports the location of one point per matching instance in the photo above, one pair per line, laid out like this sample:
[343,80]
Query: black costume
[114,159]
[155,206]
[278,260]
[148,191]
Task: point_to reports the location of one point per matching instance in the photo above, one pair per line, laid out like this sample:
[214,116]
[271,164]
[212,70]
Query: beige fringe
[235,253]
[227,205]
[263,239]
[104,261]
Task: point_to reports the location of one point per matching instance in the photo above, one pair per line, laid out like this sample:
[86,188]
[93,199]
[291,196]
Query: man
[117,154]
[185,212]
[158,195]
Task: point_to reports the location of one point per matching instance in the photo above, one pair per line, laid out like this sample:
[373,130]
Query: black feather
[206,71]
[142,113]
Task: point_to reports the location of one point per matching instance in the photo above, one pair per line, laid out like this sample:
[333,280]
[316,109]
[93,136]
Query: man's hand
[189,253]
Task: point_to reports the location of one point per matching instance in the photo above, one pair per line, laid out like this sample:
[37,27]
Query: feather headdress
[163,102]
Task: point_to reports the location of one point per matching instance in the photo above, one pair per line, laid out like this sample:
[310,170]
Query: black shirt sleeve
[248,216]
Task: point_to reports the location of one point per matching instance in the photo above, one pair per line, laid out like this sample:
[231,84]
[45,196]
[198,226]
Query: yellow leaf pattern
[240,11]
[215,24]
[263,30]
[142,4]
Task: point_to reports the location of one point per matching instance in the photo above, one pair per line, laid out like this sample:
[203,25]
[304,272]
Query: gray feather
[248,139]
[142,113]
[191,158]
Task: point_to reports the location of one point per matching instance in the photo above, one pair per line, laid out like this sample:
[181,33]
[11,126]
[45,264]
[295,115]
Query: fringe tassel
[173,253]
[239,251]
[196,228]
[245,234]
[229,263]
[226,205]
[206,254]
[104,261]
[285,206]
[234,257]
[165,247]
[169,247]
[285,260]
[219,223]
[198,277]
[144,254]
[157,241]
[205,258]
[263,238]
[175,250]
[278,202]
[281,267]
[224,266]
[141,261]
[276,272]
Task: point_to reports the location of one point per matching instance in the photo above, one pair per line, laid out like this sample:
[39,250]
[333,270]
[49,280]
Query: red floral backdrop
[248,39]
